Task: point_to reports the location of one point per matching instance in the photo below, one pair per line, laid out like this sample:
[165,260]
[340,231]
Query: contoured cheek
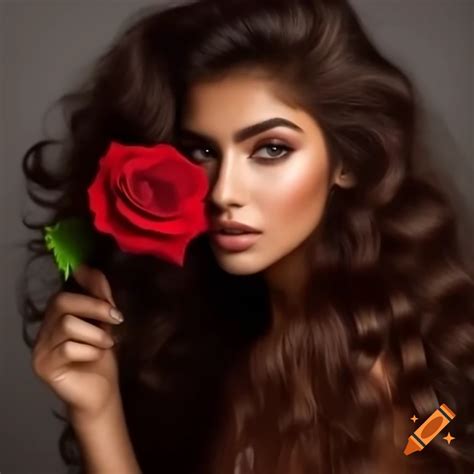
[293,200]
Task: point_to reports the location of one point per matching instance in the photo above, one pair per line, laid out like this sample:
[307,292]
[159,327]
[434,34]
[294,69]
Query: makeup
[235,243]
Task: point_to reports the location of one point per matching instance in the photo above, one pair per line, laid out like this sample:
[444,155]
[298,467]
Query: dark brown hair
[201,372]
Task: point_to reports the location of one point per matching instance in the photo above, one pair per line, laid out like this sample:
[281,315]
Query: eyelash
[268,161]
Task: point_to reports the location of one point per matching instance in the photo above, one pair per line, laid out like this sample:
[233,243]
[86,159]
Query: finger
[70,327]
[56,365]
[94,281]
[83,306]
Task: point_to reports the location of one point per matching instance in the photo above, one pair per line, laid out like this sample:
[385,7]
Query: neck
[286,281]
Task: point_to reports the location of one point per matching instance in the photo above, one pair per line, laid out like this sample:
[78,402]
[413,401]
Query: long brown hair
[198,357]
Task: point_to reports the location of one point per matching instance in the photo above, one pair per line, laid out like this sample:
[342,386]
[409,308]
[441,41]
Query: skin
[284,198]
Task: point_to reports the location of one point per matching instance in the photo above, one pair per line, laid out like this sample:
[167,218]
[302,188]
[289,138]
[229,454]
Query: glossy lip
[235,243]
[224,225]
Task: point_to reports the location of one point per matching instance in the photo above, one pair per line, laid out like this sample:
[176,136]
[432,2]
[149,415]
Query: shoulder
[383,374]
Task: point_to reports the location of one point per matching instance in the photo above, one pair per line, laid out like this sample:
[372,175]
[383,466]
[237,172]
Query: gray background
[45,46]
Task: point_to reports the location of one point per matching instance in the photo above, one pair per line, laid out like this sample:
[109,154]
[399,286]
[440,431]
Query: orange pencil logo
[429,429]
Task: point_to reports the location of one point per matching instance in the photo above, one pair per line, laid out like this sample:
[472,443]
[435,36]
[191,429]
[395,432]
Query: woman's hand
[72,355]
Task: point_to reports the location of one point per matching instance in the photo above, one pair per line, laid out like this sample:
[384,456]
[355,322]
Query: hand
[74,355]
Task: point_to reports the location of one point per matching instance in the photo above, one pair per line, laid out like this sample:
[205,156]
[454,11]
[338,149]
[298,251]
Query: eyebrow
[250,131]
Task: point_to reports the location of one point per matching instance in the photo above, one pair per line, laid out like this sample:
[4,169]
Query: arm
[105,442]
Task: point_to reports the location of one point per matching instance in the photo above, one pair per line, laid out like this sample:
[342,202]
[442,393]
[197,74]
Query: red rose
[150,199]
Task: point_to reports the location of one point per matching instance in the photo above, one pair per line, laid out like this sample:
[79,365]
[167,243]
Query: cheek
[297,201]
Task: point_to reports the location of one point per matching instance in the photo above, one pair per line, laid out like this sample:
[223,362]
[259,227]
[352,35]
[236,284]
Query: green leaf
[71,241]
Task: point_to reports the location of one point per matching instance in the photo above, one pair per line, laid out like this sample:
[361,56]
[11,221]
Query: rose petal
[170,248]
[167,191]
[126,204]
[163,199]
[175,226]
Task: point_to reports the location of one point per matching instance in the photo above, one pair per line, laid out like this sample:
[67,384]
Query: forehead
[239,95]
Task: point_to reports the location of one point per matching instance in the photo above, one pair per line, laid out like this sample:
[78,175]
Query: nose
[227,187]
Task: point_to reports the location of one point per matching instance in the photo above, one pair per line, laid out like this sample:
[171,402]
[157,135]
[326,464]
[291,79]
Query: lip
[232,225]
[235,243]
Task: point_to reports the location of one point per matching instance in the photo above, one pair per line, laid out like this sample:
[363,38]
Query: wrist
[105,441]
[81,419]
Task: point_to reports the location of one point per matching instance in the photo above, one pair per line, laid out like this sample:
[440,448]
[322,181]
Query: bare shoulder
[390,456]
[383,372]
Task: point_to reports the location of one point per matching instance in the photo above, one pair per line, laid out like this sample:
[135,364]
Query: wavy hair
[202,380]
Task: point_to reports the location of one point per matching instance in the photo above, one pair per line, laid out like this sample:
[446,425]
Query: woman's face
[274,179]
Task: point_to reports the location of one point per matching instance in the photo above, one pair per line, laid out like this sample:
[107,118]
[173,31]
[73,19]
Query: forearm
[105,443]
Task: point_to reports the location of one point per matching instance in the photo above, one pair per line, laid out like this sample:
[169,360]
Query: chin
[238,263]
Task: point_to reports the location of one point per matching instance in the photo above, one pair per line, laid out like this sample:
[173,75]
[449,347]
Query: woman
[351,310]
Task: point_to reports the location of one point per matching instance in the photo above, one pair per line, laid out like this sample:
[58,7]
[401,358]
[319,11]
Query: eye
[275,150]
[189,152]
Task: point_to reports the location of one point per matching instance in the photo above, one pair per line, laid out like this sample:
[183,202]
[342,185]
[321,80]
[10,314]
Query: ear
[344,178]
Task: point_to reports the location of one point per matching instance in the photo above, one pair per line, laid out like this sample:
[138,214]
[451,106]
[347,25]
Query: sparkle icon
[449,438]
[414,418]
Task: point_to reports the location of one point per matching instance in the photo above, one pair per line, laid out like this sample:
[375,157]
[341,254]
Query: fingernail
[116,314]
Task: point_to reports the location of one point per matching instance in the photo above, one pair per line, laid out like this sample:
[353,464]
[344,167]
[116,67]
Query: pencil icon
[429,429]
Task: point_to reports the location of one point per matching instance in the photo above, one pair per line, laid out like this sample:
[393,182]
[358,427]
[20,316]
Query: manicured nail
[116,314]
